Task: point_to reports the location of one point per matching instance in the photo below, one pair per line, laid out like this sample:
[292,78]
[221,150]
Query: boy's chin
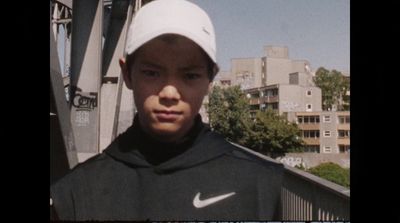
[167,131]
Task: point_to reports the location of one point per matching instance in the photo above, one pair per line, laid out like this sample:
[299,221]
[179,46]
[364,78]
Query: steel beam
[86,54]
[67,3]
[112,51]
[62,148]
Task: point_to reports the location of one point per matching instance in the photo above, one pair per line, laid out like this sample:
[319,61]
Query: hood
[201,145]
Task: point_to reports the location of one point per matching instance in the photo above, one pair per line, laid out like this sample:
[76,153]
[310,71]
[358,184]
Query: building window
[327,149]
[311,149]
[315,133]
[344,148]
[327,118]
[308,92]
[327,133]
[300,119]
[312,119]
[308,107]
[311,134]
[343,133]
[254,95]
[344,119]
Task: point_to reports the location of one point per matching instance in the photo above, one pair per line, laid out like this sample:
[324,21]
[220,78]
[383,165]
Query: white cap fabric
[171,17]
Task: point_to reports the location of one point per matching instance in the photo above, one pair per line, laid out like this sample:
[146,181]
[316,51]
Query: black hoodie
[202,177]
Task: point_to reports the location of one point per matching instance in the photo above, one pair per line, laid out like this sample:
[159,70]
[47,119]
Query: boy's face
[169,80]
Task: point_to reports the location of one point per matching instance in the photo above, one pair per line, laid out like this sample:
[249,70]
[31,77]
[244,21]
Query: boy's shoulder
[241,155]
[88,167]
[246,156]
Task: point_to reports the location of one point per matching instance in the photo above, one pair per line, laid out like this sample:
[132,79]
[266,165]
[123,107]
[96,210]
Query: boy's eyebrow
[151,64]
[183,68]
[192,67]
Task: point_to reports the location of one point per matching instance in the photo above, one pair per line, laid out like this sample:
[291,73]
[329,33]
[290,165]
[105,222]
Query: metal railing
[306,197]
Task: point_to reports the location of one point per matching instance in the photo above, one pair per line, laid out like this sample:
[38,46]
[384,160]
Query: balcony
[311,141]
[269,99]
[309,126]
[306,197]
[343,126]
[343,141]
[254,101]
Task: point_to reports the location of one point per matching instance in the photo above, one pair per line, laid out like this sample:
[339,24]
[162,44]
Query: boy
[168,165]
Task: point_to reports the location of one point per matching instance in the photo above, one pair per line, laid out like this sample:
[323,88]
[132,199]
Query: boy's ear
[125,73]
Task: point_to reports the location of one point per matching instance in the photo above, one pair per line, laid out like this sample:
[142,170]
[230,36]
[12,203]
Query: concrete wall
[314,159]
[273,68]
[300,66]
[294,78]
[223,79]
[291,98]
[277,71]
[314,99]
[246,72]
[295,98]
[301,78]
[328,126]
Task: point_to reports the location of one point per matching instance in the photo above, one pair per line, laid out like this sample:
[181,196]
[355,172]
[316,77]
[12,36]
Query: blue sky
[314,30]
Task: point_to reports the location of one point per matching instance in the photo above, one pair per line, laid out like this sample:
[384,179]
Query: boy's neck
[156,151]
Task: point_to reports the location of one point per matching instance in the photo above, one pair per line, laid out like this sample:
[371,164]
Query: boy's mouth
[167,115]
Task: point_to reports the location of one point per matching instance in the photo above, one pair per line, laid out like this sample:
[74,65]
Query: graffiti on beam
[85,103]
[82,102]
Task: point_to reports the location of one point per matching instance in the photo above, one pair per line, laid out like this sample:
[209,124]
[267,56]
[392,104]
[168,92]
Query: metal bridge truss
[89,104]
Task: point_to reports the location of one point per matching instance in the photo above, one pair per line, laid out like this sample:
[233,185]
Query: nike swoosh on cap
[203,203]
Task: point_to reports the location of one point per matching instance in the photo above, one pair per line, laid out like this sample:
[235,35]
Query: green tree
[269,133]
[334,86]
[272,135]
[332,172]
[228,111]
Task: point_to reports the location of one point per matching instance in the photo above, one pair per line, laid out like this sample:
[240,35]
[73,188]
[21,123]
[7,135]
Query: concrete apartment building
[223,79]
[279,83]
[324,132]
[285,98]
[273,68]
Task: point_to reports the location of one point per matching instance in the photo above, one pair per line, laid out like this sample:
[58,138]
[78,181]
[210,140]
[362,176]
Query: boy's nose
[169,92]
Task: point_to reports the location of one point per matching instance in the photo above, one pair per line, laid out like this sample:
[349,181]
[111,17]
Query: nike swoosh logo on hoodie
[203,203]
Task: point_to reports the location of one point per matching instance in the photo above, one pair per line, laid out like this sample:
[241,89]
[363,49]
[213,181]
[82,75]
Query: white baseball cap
[171,17]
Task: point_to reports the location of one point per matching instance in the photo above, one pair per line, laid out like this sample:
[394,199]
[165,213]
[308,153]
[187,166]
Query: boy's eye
[150,73]
[192,76]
